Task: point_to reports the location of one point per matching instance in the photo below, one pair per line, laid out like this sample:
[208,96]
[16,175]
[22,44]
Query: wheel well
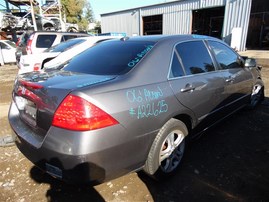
[187,120]
[48,25]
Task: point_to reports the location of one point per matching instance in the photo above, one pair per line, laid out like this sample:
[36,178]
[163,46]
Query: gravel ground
[229,163]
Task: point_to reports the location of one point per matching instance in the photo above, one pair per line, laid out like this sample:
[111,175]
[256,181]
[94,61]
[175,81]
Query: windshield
[11,43]
[65,45]
[110,57]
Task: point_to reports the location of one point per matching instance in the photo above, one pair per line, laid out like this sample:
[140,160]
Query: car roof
[156,38]
[54,32]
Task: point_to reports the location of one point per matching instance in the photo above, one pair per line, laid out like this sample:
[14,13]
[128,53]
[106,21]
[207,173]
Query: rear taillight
[37,66]
[76,113]
[29,44]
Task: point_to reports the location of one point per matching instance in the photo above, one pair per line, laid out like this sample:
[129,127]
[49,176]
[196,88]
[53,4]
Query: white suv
[40,40]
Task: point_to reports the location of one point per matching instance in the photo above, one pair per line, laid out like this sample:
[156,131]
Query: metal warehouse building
[240,23]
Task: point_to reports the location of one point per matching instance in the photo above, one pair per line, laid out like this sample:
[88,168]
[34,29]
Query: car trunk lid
[38,95]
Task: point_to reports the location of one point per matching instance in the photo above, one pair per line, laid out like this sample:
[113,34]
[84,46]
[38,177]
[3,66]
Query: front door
[238,80]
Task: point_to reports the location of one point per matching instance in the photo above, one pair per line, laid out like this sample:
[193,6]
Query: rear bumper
[54,163]
[79,157]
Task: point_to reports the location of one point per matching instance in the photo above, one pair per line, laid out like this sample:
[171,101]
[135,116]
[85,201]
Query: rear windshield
[110,57]
[61,47]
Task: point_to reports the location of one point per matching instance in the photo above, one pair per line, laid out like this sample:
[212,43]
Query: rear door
[195,81]
[238,79]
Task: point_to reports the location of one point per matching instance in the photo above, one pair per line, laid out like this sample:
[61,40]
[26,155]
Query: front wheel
[167,150]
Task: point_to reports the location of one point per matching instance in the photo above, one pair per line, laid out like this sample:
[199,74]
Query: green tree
[78,12]
[88,12]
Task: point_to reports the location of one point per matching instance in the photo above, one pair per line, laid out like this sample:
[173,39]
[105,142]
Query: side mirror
[240,61]
[250,62]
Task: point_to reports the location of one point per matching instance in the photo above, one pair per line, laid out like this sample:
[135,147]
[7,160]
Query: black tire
[257,95]
[72,29]
[49,28]
[164,159]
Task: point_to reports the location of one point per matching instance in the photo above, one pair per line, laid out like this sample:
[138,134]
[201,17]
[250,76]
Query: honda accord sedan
[129,104]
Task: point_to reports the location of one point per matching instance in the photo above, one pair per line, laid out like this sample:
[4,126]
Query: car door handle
[187,88]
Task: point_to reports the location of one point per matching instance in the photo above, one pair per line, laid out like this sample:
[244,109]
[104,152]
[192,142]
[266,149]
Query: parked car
[129,104]
[7,21]
[34,62]
[36,42]
[61,25]
[58,54]
[7,52]
[25,22]
[67,55]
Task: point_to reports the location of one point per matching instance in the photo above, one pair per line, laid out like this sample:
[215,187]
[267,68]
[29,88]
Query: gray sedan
[129,104]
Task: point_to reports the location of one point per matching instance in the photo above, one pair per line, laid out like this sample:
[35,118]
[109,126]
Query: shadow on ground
[229,163]
[60,191]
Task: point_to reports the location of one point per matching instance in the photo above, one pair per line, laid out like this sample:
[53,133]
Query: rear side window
[45,41]
[176,68]
[195,57]
[110,58]
[64,45]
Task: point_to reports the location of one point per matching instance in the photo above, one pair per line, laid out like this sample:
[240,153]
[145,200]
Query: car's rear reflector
[37,66]
[76,113]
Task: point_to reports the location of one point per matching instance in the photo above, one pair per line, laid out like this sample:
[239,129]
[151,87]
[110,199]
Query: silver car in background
[129,104]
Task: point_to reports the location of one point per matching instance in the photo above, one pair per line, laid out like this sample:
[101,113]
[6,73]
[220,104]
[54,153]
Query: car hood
[47,89]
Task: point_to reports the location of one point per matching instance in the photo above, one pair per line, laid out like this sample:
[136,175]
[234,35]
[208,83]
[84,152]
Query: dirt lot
[229,163]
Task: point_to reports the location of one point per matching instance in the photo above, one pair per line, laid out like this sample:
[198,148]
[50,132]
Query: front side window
[110,57]
[226,57]
[195,57]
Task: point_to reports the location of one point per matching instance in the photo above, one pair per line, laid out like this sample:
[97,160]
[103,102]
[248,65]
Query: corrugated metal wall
[127,22]
[237,13]
[177,17]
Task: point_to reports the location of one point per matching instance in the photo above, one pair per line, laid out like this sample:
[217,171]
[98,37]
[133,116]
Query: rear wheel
[167,150]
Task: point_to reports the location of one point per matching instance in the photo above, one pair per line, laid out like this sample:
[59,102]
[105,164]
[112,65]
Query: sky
[107,6]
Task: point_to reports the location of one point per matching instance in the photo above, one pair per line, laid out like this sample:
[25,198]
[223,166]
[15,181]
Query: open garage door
[208,21]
